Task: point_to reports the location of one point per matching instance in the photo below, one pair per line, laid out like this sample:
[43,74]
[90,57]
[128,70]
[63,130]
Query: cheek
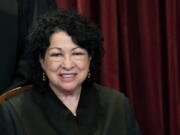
[83,64]
[51,66]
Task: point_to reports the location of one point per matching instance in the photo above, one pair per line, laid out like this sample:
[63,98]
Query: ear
[41,60]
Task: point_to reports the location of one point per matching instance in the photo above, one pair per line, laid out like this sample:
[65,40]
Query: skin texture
[66,66]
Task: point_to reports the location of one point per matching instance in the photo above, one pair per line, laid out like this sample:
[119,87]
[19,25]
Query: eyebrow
[61,49]
[54,48]
[77,48]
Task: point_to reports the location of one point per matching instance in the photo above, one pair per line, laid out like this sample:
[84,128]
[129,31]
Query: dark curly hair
[82,31]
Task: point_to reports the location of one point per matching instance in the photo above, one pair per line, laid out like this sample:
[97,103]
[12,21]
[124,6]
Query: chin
[69,87]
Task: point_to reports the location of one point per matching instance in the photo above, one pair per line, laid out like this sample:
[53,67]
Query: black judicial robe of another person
[16,18]
[101,111]
[28,13]
[8,41]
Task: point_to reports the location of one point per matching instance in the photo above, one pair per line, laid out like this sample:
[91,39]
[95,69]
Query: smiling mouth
[67,75]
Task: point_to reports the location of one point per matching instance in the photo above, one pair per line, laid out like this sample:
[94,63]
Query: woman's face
[65,63]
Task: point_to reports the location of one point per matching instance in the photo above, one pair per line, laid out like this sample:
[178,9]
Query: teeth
[67,75]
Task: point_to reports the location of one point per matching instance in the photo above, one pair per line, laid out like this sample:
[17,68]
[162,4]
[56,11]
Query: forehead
[61,40]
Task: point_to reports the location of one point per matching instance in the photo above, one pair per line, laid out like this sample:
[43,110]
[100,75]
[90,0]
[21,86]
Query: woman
[65,50]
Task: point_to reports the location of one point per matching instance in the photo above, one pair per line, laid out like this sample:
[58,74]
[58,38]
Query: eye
[55,54]
[78,53]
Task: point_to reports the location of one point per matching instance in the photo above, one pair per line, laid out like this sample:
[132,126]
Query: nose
[68,63]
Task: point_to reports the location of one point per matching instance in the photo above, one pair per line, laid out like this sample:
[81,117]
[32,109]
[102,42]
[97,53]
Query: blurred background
[142,52]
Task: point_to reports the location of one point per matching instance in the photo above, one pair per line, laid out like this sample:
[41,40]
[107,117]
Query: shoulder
[111,99]
[117,109]
[109,93]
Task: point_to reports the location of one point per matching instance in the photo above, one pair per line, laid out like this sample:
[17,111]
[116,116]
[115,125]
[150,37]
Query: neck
[69,98]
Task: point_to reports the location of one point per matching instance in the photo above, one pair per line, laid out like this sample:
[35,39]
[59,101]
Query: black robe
[28,13]
[17,17]
[8,41]
[101,111]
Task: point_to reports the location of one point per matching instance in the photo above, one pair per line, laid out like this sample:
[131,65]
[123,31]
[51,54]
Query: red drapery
[141,56]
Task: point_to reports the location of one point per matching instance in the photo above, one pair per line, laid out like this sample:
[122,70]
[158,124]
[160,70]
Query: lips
[68,75]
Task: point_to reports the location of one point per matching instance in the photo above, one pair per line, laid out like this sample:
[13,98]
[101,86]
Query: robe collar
[62,119]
